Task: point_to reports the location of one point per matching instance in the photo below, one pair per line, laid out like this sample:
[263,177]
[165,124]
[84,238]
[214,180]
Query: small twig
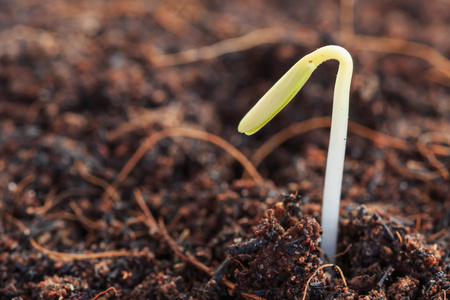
[150,142]
[340,254]
[392,161]
[252,297]
[317,270]
[21,186]
[378,138]
[385,275]
[161,228]
[78,256]
[48,203]
[418,223]
[250,40]
[248,247]
[97,181]
[61,215]
[187,257]
[399,237]
[219,273]
[85,221]
[387,45]
[323,122]
[435,137]
[398,46]
[175,248]
[8,217]
[388,231]
[104,292]
[438,234]
[150,221]
[60,255]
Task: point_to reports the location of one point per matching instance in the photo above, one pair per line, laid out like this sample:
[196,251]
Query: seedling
[279,96]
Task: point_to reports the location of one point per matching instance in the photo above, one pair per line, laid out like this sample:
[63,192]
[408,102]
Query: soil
[89,86]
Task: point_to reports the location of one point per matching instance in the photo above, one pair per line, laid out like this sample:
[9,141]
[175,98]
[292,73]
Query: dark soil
[84,83]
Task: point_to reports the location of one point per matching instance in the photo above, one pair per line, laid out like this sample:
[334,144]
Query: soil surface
[118,176]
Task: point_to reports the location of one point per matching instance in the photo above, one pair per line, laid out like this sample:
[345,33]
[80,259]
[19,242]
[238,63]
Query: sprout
[279,96]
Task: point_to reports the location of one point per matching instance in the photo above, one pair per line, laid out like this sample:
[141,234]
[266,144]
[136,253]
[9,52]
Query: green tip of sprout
[277,97]
[281,94]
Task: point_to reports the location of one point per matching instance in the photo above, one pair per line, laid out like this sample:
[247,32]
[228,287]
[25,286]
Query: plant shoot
[279,96]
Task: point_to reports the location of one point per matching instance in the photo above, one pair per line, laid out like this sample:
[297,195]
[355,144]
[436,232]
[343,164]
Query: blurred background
[107,73]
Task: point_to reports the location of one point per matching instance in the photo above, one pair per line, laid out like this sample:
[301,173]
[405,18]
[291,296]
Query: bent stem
[282,93]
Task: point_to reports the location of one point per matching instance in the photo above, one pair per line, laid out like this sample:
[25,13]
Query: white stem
[278,97]
[336,148]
